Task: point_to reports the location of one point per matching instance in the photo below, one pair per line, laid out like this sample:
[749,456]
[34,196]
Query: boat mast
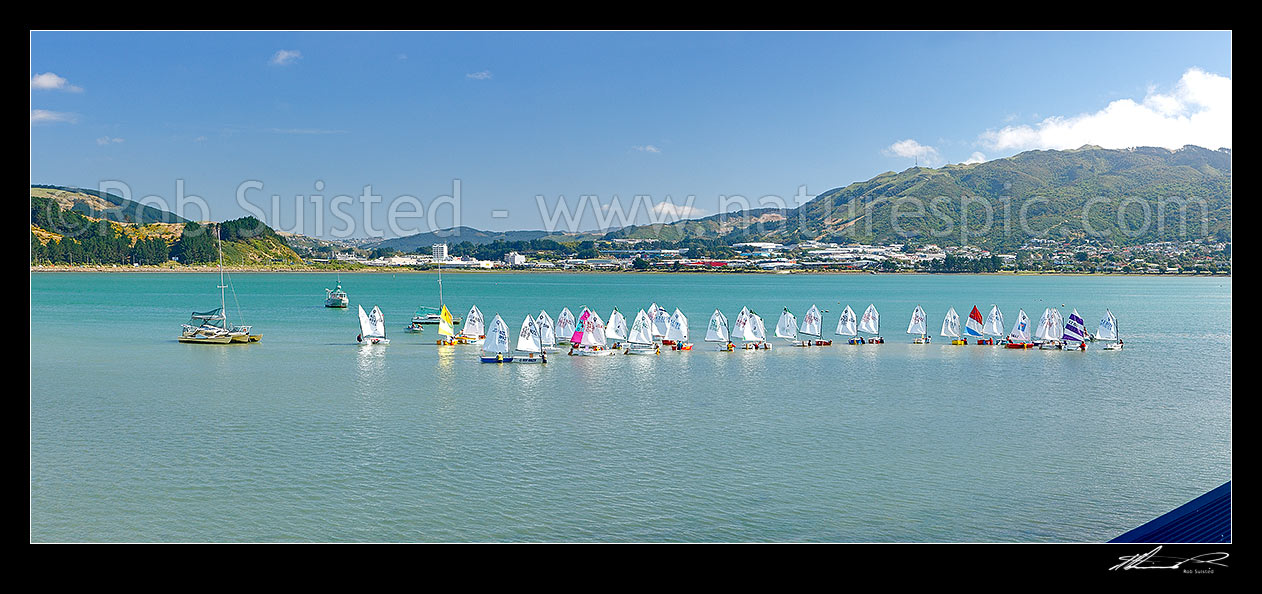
[223,306]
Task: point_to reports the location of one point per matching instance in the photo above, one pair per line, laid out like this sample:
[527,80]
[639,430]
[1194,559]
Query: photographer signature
[1150,560]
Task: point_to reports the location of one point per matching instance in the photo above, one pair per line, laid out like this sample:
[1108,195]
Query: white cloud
[106,140]
[647,148]
[200,139]
[285,57]
[665,211]
[976,157]
[51,82]
[484,75]
[44,116]
[910,149]
[1197,111]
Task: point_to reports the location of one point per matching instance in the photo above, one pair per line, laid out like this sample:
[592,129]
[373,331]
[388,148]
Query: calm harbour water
[307,436]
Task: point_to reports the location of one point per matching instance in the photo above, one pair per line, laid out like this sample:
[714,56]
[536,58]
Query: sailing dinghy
[974,327]
[473,331]
[661,323]
[746,328]
[846,326]
[495,347]
[616,329]
[1075,331]
[446,328]
[1109,330]
[640,338]
[1019,338]
[787,326]
[372,327]
[917,326]
[677,332]
[547,332]
[717,331]
[529,347]
[871,324]
[1047,335]
[589,339]
[812,327]
[993,328]
[951,326]
[565,326]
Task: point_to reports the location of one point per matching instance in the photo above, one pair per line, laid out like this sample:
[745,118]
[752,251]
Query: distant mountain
[1047,191]
[422,241]
[101,205]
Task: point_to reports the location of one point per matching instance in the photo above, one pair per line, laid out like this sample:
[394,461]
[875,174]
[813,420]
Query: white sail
[590,337]
[497,337]
[871,322]
[1021,329]
[812,322]
[1075,328]
[547,330]
[365,325]
[598,328]
[661,323]
[743,327]
[565,325]
[528,336]
[473,326]
[760,331]
[1108,327]
[1049,327]
[917,323]
[994,322]
[787,326]
[617,326]
[641,329]
[846,324]
[951,324]
[717,330]
[678,328]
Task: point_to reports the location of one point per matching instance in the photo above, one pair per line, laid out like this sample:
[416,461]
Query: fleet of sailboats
[589,334]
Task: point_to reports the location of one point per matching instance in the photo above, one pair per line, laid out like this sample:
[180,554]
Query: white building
[514,259]
[440,252]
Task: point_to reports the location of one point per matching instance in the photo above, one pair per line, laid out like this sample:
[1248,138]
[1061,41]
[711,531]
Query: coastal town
[1036,255]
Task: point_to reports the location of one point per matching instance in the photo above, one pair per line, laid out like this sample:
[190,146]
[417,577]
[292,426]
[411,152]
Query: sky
[382,134]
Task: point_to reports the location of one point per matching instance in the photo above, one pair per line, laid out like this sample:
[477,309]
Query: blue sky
[517,115]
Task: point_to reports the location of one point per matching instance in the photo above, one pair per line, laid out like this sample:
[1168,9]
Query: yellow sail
[444,323]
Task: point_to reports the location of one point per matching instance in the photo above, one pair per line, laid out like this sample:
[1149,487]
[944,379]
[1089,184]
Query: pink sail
[578,329]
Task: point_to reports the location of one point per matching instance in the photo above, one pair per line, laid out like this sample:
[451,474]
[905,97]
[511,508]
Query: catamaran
[529,344]
[336,297]
[677,332]
[871,324]
[617,328]
[973,327]
[495,347]
[951,326]
[640,339]
[1075,331]
[565,326]
[547,332]
[589,339]
[1019,338]
[846,326]
[473,331]
[993,327]
[917,326]
[1047,335]
[1109,330]
[812,328]
[212,327]
[372,327]
[717,331]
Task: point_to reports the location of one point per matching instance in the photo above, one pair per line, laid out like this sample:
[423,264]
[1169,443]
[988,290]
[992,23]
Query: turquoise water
[307,436]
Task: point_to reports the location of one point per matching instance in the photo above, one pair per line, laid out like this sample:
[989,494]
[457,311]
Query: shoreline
[408,270]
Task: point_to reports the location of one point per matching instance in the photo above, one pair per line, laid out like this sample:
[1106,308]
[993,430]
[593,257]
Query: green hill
[1117,197]
[456,235]
[100,205]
